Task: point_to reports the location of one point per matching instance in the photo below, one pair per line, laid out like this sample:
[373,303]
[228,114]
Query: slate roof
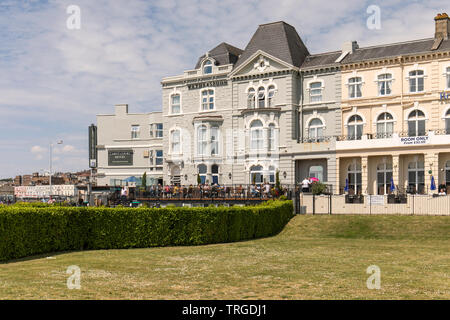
[224,54]
[395,49]
[278,39]
[322,59]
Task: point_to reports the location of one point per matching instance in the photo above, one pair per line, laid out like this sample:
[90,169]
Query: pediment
[259,63]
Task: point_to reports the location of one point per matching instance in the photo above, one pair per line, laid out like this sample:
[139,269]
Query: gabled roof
[278,39]
[395,49]
[224,54]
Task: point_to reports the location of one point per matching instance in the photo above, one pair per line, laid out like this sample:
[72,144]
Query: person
[442,192]
[305,185]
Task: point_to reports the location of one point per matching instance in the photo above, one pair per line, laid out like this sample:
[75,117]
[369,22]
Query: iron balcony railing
[369,136]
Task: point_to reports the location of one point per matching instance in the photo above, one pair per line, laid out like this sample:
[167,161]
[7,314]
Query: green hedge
[26,231]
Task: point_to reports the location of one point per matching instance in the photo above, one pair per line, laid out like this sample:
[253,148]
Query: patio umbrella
[346,185]
[392,185]
[433,184]
[313,179]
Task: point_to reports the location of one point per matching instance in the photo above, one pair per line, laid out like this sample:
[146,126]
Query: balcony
[395,139]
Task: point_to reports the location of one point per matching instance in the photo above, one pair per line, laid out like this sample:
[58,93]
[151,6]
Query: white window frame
[258,97]
[416,119]
[172,142]
[135,131]
[202,144]
[159,132]
[385,168]
[271,90]
[355,125]
[159,157]
[207,64]
[354,169]
[251,100]
[314,128]
[416,78]
[260,172]
[387,82]
[315,95]
[355,84]
[172,104]
[257,144]
[384,122]
[272,137]
[215,142]
[208,99]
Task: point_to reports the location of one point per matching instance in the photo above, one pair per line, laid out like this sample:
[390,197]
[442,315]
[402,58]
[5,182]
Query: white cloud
[59,79]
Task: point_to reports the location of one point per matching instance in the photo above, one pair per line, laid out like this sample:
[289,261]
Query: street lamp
[50,177]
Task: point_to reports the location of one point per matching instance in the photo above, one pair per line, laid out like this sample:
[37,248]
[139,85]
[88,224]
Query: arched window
[354,87]
[272,137]
[271,174]
[261,97]
[251,98]
[214,140]
[202,141]
[385,125]
[316,129]
[447,122]
[354,178]
[384,176]
[256,135]
[416,123]
[208,99]
[315,92]
[416,177]
[270,94]
[207,67]
[215,173]
[355,127]
[416,80]
[256,174]
[316,172]
[175,105]
[175,141]
[385,84]
[202,170]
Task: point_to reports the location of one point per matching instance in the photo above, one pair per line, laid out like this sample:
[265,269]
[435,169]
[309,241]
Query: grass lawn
[314,257]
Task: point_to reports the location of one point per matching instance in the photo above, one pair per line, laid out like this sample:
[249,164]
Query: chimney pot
[350,46]
[442,22]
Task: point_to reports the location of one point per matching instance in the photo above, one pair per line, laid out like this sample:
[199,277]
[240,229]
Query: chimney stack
[442,26]
[350,46]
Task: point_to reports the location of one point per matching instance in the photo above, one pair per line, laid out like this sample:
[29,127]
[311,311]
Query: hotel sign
[214,83]
[414,140]
[444,96]
[120,157]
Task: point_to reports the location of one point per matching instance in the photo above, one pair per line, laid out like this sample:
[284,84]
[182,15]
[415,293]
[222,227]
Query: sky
[55,80]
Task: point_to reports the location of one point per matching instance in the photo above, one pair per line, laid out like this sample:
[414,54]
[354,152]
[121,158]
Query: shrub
[26,231]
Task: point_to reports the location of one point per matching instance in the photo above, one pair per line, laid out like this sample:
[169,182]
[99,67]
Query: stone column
[337,175]
[364,174]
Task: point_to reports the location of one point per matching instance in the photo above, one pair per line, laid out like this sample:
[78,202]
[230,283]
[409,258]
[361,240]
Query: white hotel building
[241,115]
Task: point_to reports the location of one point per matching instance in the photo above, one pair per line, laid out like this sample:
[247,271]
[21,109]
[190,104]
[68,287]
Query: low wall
[416,205]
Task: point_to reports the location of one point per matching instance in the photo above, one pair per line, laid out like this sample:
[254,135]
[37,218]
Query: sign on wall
[214,83]
[120,157]
[414,140]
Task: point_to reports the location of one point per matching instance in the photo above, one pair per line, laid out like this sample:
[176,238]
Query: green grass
[314,257]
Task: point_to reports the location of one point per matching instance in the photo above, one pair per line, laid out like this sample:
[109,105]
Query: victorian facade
[357,119]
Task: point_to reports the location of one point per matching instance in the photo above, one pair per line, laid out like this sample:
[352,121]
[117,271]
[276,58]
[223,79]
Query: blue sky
[55,80]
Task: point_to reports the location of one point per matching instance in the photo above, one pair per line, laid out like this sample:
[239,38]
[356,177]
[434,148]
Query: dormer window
[207,67]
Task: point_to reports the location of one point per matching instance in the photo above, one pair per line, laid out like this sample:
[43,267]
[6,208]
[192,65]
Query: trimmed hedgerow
[26,231]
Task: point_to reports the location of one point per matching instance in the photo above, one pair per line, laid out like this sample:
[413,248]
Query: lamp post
[50,173]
